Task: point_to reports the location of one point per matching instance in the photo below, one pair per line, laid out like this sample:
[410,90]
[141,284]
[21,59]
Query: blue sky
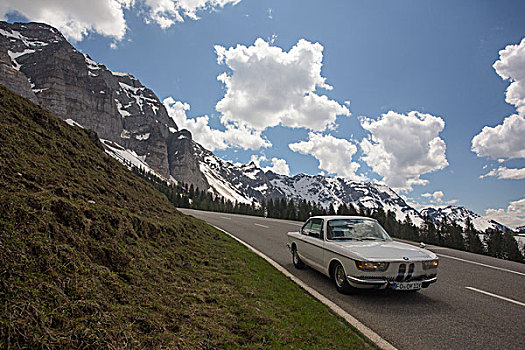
[394,91]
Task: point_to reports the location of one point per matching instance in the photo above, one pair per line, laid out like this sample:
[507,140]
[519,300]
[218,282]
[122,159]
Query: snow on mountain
[459,215]
[336,191]
[244,184]
[250,184]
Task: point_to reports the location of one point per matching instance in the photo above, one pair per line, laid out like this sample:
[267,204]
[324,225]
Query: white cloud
[334,155]
[168,12]
[74,18]
[279,166]
[212,139]
[436,200]
[437,196]
[268,86]
[511,66]
[404,147]
[506,140]
[258,159]
[506,173]
[77,18]
[512,216]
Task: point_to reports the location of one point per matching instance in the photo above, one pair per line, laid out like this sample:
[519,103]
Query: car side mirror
[422,245]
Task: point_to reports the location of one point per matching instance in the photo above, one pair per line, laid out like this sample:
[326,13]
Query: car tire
[297,262]
[341,283]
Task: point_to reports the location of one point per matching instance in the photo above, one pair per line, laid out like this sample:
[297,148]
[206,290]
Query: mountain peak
[459,215]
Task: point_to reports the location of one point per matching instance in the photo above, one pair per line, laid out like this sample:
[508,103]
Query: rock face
[37,62]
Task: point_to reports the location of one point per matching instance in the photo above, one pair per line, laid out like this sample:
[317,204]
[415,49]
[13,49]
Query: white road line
[480,264]
[367,332]
[261,225]
[227,218]
[496,296]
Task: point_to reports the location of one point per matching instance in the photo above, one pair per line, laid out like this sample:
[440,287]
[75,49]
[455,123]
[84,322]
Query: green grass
[92,256]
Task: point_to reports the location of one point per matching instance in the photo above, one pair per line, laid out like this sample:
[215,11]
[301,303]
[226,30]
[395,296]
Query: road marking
[291,223]
[367,332]
[261,225]
[496,296]
[480,264]
[227,218]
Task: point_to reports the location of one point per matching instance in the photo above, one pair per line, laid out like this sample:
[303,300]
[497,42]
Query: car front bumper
[381,283]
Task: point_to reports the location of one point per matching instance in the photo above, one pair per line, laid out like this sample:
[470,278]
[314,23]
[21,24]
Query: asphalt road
[454,313]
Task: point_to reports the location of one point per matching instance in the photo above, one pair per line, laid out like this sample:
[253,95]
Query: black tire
[340,280]
[297,262]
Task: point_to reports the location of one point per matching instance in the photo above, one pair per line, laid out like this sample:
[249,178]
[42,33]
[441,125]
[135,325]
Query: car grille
[402,272]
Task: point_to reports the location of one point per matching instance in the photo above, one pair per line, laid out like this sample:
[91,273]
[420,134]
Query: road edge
[367,332]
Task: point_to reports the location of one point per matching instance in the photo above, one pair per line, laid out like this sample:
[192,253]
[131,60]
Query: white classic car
[358,253]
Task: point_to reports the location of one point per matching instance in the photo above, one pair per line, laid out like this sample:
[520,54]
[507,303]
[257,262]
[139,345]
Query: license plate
[406,285]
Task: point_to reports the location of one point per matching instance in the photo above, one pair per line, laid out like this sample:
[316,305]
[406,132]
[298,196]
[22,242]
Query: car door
[313,246]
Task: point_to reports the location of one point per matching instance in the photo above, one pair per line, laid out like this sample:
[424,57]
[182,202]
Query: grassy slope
[93,257]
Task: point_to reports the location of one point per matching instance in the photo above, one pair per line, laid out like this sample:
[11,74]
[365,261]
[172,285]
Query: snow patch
[73,123]
[142,137]
[90,63]
[126,156]
[121,109]
[125,134]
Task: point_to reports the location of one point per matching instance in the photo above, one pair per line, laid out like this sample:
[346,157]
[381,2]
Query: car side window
[316,229]
[305,230]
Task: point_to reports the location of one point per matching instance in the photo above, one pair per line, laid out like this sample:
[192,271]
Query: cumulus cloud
[511,67]
[76,18]
[506,173]
[436,199]
[268,86]
[334,155]
[401,148]
[506,141]
[437,196]
[279,166]
[212,139]
[512,216]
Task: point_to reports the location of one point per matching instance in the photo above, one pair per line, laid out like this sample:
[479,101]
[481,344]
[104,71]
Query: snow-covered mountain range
[459,216]
[37,62]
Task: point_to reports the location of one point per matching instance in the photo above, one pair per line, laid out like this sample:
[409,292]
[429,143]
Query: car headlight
[371,265]
[430,264]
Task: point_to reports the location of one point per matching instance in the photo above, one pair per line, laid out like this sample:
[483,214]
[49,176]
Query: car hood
[383,250]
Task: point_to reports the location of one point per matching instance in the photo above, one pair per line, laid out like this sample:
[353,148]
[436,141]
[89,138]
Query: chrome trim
[431,280]
[370,282]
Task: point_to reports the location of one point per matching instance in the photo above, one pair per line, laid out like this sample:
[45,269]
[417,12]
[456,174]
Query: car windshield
[356,229]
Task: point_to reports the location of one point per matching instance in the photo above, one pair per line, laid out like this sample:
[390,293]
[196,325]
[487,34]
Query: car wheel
[341,283]
[297,262]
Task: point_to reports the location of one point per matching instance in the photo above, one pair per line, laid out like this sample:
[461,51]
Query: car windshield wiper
[372,239]
[346,238]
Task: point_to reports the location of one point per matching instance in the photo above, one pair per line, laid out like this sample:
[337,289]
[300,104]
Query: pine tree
[495,243]
[510,248]
[472,243]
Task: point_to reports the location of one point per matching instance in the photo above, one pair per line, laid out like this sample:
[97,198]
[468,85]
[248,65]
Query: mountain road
[478,301]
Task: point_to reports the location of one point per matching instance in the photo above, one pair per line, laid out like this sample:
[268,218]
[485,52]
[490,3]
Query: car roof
[339,217]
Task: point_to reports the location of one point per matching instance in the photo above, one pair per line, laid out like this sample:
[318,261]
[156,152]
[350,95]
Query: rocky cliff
[37,62]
